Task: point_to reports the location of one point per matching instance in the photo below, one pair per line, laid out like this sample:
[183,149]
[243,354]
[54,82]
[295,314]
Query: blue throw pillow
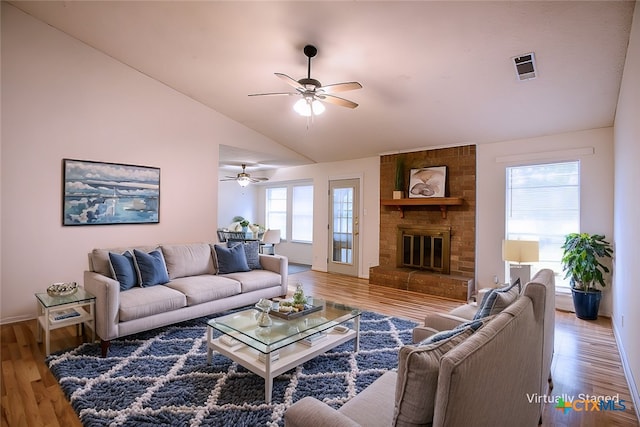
[151,268]
[472,325]
[488,303]
[442,335]
[123,270]
[251,251]
[231,260]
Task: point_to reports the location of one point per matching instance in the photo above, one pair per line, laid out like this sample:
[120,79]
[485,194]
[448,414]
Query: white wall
[626,316]
[594,149]
[234,200]
[63,99]
[368,170]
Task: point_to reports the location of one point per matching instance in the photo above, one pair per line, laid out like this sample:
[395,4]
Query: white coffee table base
[290,356]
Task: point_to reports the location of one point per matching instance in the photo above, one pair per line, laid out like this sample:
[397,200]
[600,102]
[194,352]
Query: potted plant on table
[581,262]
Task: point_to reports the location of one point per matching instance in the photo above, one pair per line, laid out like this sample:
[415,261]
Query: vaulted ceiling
[434,73]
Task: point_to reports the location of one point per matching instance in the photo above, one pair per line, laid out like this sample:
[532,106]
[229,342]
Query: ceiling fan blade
[229,179]
[339,87]
[337,101]
[258,179]
[274,93]
[292,82]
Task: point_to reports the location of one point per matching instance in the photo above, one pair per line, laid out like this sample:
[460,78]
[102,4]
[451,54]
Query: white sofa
[195,288]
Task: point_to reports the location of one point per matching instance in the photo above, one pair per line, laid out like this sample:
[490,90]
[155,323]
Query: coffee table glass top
[49,301]
[243,325]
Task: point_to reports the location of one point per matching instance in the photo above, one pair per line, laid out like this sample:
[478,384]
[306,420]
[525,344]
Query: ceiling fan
[313,92]
[244,178]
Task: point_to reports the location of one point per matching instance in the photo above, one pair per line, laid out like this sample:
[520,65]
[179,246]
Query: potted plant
[581,262]
[398,192]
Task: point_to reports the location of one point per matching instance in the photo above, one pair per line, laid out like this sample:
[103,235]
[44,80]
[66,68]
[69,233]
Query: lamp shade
[271,237]
[520,250]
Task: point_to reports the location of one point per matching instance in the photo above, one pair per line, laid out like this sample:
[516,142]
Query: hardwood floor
[586,358]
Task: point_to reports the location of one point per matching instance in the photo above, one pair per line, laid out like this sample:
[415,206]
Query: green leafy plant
[244,223]
[298,297]
[581,260]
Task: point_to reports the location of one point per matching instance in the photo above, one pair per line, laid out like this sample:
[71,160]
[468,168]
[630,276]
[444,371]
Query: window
[276,210]
[302,213]
[290,207]
[543,203]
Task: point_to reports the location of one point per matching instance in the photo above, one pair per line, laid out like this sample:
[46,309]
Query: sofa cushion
[498,299]
[205,288]
[373,406]
[252,252]
[191,259]
[137,303]
[151,268]
[123,269]
[256,279]
[417,382]
[231,260]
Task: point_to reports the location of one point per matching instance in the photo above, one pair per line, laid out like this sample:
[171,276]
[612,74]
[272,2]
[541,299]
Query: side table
[60,311]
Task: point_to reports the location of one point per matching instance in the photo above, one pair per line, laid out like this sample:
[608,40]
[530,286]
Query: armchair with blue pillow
[490,301]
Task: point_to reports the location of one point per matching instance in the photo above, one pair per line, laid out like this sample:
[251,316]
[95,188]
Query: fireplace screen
[426,249]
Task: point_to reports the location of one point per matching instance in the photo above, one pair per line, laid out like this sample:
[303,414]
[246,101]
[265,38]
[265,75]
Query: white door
[343,226]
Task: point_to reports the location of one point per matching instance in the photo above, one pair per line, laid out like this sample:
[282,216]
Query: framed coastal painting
[99,193]
[428,182]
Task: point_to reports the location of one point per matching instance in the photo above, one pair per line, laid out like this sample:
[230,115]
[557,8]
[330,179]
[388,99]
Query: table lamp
[519,251]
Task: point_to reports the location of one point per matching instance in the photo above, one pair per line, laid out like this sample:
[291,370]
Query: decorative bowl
[62,289]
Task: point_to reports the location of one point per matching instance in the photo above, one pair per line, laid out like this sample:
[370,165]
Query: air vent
[525,66]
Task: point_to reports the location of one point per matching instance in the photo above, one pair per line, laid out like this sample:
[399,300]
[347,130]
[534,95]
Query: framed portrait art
[99,193]
[428,182]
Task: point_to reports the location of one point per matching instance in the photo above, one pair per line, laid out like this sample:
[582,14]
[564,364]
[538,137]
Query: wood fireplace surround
[417,219]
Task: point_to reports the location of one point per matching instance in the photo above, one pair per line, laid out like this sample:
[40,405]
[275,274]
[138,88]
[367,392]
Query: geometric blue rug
[161,377]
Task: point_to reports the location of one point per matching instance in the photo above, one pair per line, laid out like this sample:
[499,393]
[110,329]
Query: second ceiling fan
[312,91]
[243,178]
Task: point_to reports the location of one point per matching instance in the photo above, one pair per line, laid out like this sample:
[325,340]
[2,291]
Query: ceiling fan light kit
[243,181]
[308,107]
[312,92]
[243,178]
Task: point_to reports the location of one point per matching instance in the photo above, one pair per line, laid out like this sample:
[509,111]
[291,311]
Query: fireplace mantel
[442,202]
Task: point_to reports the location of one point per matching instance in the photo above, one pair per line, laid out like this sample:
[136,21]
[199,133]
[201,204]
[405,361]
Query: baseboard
[628,374]
[564,302]
[15,319]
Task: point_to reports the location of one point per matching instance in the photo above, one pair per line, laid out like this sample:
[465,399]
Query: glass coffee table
[287,343]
